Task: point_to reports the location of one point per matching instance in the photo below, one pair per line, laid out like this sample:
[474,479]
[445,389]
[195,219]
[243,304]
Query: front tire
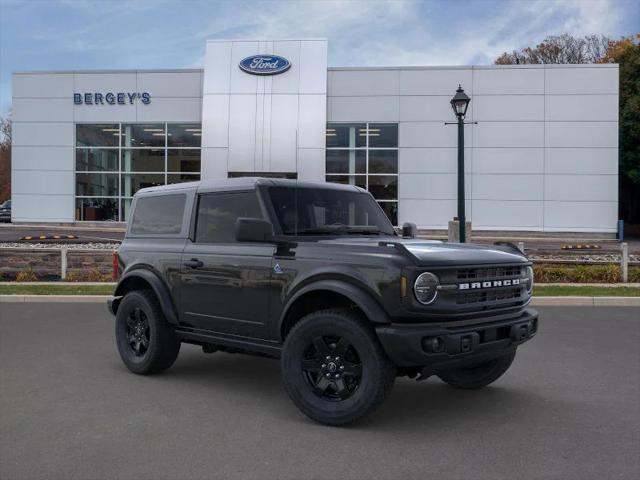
[146,342]
[333,367]
[480,375]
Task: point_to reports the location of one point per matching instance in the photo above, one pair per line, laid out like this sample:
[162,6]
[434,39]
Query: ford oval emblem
[265,64]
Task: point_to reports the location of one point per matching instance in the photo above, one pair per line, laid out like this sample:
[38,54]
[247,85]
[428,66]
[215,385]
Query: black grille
[488,296]
[484,273]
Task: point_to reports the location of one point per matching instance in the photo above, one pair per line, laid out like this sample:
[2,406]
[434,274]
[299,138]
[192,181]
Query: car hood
[436,253]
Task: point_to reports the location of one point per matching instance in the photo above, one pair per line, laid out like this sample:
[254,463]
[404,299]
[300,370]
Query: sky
[108,34]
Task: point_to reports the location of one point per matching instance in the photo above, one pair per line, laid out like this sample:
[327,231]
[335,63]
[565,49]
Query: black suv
[316,275]
[5,211]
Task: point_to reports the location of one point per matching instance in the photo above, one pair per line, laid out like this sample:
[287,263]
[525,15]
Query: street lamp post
[460,103]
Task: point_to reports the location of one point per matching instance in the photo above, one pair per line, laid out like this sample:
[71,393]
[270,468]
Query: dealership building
[541,140]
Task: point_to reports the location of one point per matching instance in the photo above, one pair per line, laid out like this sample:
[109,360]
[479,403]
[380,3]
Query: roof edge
[103,70]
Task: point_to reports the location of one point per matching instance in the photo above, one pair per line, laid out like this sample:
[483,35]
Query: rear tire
[333,367]
[146,342]
[480,375]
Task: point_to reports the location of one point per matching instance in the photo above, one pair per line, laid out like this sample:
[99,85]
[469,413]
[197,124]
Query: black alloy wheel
[147,343]
[332,367]
[138,335]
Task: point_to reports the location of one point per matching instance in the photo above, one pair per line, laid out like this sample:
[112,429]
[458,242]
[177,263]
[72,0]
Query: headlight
[426,288]
[529,279]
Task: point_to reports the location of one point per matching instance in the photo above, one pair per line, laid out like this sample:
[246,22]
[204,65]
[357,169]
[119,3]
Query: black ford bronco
[316,275]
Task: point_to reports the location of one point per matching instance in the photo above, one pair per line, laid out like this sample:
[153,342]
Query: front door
[225,284]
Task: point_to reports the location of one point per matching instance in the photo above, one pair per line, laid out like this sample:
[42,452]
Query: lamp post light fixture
[460,103]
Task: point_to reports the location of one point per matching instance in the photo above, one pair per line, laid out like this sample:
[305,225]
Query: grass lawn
[54,289]
[564,291]
[539,291]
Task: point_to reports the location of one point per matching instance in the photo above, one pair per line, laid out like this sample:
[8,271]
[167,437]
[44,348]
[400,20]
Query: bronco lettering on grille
[490,284]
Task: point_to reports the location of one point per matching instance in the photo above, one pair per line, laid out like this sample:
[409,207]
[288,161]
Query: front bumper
[444,346]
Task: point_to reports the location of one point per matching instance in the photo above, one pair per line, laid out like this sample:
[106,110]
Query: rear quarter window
[158,215]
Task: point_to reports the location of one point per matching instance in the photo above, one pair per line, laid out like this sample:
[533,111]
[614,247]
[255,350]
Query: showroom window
[366,155]
[114,160]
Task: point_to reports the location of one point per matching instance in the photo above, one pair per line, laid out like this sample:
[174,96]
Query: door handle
[193,263]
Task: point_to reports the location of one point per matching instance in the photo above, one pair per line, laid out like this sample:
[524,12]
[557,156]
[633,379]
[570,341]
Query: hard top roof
[243,183]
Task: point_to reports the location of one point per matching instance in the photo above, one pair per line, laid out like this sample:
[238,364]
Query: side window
[218,212]
[158,215]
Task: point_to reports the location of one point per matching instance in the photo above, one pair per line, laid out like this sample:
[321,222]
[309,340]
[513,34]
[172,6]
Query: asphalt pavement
[569,408]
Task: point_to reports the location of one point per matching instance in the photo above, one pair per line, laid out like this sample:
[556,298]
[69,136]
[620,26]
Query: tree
[626,53]
[560,49]
[600,49]
[5,159]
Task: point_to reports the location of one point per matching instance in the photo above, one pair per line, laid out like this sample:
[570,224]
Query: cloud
[85,34]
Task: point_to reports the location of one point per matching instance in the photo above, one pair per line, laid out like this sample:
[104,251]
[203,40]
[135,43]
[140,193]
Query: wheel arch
[143,279]
[325,294]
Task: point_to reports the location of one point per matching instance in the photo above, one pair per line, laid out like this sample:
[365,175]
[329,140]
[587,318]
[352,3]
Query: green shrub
[634,274]
[27,275]
[576,273]
[94,275]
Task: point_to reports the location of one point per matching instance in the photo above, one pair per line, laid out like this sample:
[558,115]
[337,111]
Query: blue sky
[104,34]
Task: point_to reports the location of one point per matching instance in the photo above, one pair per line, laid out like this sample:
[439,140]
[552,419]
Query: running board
[244,344]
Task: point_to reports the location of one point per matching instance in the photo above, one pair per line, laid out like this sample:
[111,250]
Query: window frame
[184,225]
[367,148]
[193,230]
[120,198]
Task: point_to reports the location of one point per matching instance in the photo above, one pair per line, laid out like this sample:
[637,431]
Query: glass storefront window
[143,160]
[96,185]
[383,135]
[346,136]
[391,209]
[97,159]
[184,135]
[96,209]
[383,161]
[116,160]
[125,207]
[357,180]
[181,177]
[132,182]
[366,155]
[183,161]
[384,187]
[346,161]
[103,135]
[143,135]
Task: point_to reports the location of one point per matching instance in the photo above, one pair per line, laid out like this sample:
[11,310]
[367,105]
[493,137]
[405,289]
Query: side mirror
[253,230]
[409,230]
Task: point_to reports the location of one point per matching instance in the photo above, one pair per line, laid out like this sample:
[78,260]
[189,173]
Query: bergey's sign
[110,98]
[265,64]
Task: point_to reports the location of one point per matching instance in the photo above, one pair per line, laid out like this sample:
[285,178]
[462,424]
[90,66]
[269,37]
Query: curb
[536,301]
[73,284]
[54,298]
[585,301]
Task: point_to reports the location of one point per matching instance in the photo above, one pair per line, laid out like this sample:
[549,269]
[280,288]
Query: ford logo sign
[265,64]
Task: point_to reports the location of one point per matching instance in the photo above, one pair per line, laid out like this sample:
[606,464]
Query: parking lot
[569,408]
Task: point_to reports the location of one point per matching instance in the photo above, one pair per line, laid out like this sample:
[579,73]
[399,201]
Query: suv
[5,211]
[316,275]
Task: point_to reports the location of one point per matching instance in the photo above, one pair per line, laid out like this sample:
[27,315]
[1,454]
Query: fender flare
[157,285]
[369,306]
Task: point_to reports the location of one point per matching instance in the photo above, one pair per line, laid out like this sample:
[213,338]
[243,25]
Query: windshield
[326,211]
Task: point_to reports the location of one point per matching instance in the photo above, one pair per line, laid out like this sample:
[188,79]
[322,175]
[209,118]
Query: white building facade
[543,155]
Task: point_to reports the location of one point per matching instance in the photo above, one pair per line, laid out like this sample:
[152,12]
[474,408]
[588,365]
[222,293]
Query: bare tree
[563,48]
